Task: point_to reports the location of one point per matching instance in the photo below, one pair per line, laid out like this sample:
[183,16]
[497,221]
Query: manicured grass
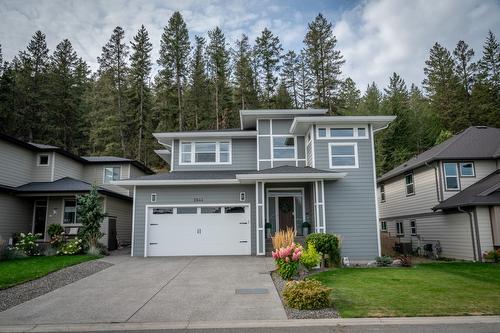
[17,271]
[439,289]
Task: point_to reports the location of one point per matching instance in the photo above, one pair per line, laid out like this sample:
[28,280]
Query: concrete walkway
[177,289]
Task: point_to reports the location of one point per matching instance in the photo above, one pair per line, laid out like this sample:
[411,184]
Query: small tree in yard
[90,215]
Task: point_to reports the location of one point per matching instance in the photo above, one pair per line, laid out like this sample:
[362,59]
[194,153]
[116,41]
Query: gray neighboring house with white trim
[279,169]
[448,196]
[39,184]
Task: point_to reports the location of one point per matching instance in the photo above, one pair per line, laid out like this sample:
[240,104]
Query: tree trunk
[217,105]
[139,148]
[179,100]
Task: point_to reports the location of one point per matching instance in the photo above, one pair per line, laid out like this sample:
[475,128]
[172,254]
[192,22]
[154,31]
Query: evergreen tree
[304,82]
[349,98]
[244,77]
[324,61]
[290,74]
[140,95]
[489,65]
[371,102]
[174,55]
[465,71]
[218,65]
[268,52]
[198,94]
[423,125]
[113,70]
[282,100]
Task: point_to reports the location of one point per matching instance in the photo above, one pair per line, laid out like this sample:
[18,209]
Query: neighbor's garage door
[195,230]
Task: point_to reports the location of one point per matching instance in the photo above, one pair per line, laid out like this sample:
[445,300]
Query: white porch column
[259,218]
[319,206]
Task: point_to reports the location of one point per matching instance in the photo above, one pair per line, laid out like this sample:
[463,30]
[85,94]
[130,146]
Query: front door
[40,217]
[286,208]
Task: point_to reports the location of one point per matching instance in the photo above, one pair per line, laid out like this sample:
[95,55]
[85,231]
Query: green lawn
[442,289]
[17,271]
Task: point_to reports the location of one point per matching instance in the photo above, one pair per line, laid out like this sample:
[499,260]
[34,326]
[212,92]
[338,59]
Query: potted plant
[268,227]
[305,228]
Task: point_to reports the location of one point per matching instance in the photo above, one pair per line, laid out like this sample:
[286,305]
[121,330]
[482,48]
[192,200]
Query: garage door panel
[211,231]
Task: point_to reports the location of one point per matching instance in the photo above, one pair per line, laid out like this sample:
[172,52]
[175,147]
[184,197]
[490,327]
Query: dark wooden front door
[286,219]
[40,217]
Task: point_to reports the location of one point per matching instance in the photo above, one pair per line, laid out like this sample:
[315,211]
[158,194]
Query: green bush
[310,257]
[27,244]
[493,255]
[326,244]
[383,261]
[54,230]
[306,295]
[71,247]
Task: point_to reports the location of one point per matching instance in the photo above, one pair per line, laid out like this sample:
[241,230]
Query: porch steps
[269,244]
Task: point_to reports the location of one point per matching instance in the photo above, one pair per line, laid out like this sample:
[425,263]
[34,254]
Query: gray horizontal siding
[16,164]
[244,157]
[94,174]
[67,167]
[16,215]
[122,211]
[171,195]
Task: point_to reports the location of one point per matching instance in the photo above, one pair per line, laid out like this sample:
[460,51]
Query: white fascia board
[301,124]
[152,182]
[291,176]
[202,134]
[162,151]
[248,118]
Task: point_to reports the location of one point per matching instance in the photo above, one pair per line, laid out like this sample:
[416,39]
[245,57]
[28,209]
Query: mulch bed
[279,283]
[24,292]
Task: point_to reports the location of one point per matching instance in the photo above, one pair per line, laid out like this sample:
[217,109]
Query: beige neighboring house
[39,185]
[446,199]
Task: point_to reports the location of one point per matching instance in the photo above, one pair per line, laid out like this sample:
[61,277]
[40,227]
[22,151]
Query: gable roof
[474,143]
[484,192]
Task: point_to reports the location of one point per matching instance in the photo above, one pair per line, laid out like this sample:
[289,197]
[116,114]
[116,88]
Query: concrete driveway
[159,290]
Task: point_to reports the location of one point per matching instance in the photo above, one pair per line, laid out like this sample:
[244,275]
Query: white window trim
[75,224]
[412,183]
[473,169]
[382,224]
[354,129]
[457,176]
[38,160]
[104,173]
[415,227]
[217,152]
[398,233]
[294,158]
[356,155]
[382,193]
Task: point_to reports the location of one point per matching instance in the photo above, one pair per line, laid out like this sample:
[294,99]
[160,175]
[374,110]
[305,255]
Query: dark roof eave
[102,191]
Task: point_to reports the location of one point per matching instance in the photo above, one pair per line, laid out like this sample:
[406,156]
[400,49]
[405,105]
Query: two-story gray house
[279,169]
[447,198]
[39,185]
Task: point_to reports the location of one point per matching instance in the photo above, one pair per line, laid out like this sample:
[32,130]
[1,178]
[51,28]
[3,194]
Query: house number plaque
[198,199]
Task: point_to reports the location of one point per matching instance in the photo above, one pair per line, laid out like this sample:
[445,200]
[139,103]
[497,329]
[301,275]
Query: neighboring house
[282,167]
[448,196]
[39,184]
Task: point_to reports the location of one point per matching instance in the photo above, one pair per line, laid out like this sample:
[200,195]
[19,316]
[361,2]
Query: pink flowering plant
[287,259]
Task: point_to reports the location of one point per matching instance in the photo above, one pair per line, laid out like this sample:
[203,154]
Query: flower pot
[305,231]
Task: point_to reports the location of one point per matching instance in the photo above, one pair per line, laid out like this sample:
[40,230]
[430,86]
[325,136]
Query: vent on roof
[481,127]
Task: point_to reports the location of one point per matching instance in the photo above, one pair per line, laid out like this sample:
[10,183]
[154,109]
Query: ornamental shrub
[306,295]
[327,244]
[287,259]
[27,244]
[493,255]
[71,247]
[55,229]
[383,261]
[310,257]
[90,215]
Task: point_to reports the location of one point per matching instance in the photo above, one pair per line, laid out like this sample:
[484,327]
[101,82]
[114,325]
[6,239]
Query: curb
[251,324]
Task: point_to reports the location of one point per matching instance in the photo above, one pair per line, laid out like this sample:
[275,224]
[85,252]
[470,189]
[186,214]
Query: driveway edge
[251,324]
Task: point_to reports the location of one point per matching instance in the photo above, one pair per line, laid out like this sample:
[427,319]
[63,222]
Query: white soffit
[301,125]
[166,138]
[248,118]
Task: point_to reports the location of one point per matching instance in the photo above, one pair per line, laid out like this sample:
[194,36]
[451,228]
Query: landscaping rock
[21,293]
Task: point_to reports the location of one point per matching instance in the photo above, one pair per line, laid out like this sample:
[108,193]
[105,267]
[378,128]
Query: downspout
[478,237]
[436,178]
[471,230]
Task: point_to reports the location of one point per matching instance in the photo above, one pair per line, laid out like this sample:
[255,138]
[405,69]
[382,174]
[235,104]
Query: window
[234,210]
[336,132]
[399,228]
[111,173]
[161,211]
[383,226]
[410,187]
[205,152]
[43,160]
[69,213]
[413,227]
[211,210]
[243,196]
[321,132]
[283,147]
[153,197]
[382,193]
[362,132]
[341,132]
[343,155]
[187,210]
[467,169]
[451,176]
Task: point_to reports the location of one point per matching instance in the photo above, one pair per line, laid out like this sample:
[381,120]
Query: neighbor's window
[413,227]
[410,187]
[382,193]
[451,176]
[43,159]
[69,213]
[383,225]
[111,173]
[343,155]
[467,169]
[399,228]
[205,152]
[283,147]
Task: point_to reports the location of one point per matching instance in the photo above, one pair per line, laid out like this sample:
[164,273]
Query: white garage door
[198,230]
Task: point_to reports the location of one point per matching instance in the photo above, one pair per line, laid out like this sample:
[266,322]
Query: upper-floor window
[343,155]
[42,159]
[410,186]
[467,169]
[283,147]
[69,213]
[338,132]
[382,193]
[111,173]
[205,152]
[451,180]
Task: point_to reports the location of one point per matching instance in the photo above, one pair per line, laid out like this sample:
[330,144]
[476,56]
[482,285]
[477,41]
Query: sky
[376,37]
